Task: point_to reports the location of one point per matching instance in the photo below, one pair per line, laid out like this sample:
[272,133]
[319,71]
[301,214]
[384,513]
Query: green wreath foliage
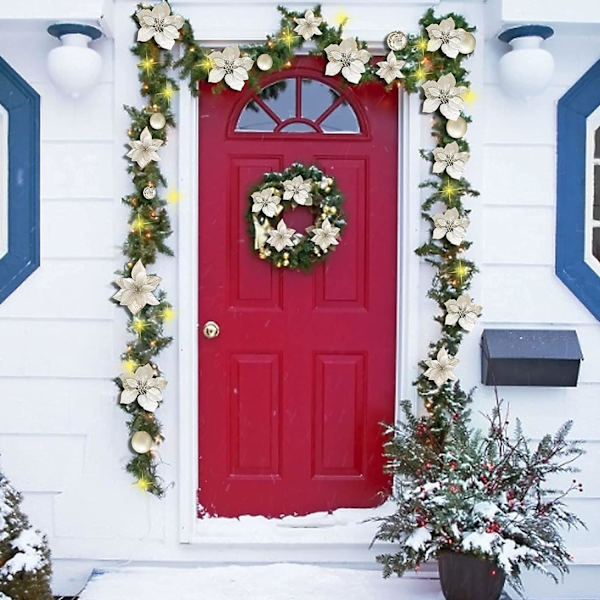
[326,205]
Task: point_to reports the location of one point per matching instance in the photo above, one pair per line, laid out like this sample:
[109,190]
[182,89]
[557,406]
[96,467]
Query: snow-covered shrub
[24,553]
[462,491]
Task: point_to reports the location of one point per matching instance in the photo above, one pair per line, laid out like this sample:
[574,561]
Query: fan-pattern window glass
[298,105]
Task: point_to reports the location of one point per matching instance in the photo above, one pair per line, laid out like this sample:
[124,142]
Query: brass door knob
[211,330]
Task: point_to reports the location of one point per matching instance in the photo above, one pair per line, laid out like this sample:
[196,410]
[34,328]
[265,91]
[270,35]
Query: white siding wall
[62,436]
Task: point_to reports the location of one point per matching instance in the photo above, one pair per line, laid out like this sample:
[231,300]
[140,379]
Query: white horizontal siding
[89,237]
[77,169]
[522,174]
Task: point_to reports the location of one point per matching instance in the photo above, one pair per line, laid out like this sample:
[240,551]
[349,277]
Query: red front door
[294,389]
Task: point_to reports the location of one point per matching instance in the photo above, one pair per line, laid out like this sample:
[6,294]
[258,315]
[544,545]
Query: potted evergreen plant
[478,503]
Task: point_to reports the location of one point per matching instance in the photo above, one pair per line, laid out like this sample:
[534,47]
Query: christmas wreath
[298,185]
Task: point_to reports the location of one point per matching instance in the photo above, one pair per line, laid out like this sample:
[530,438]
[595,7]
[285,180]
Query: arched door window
[298,105]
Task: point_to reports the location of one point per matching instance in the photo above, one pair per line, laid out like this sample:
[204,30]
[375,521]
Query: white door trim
[409,202]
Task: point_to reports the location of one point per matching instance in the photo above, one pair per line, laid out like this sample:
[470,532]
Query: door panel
[293,391]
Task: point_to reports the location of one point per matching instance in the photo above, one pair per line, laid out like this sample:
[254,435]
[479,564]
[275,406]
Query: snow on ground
[344,525]
[283,581]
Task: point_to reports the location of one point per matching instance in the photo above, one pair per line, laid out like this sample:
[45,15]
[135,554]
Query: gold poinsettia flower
[451,226]
[231,66]
[144,386]
[449,159]
[326,235]
[445,36]
[347,58]
[159,24]
[143,151]
[463,312]
[136,291]
[308,25]
[281,237]
[441,368]
[445,95]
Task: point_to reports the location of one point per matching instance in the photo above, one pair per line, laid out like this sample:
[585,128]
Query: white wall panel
[518,235]
[529,294]
[522,174]
[57,348]
[57,406]
[517,122]
[89,117]
[76,228]
[77,170]
[43,462]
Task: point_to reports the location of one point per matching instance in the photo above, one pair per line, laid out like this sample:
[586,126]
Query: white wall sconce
[74,68]
[527,69]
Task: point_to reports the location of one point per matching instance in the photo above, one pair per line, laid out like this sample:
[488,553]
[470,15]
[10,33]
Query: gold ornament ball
[467,44]
[396,40]
[456,129]
[264,62]
[157,120]
[141,442]
[149,192]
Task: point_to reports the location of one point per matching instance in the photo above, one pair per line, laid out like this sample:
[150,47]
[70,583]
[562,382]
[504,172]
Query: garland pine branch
[411,67]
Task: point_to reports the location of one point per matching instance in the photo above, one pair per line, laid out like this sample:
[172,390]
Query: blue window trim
[22,103]
[573,110]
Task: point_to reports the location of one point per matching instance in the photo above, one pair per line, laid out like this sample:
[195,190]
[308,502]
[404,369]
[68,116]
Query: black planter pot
[466,577]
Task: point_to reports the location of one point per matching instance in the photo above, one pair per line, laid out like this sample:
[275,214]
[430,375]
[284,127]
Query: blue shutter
[573,109]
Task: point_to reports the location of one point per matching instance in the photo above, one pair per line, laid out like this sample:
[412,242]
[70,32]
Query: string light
[420,74]
[288,37]
[461,271]
[138,224]
[147,64]
[168,314]
[207,63]
[422,44]
[173,196]
[167,92]
[470,96]
[342,18]
[143,484]
[449,190]
[139,325]
[129,365]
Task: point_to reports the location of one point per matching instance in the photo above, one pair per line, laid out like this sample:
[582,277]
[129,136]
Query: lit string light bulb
[143,484]
[138,325]
[173,196]
[168,314]
[422,44]
[342,18]
[167,92]
[288,37]
[138,224]
[470,96]
[129,365]
[147,64]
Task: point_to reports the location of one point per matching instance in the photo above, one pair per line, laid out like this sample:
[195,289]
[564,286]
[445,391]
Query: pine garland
[149,219]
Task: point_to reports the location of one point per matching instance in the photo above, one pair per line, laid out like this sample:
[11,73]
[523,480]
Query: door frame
[407,295]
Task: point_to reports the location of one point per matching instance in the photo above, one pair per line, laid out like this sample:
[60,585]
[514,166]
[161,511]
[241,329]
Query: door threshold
[345,526]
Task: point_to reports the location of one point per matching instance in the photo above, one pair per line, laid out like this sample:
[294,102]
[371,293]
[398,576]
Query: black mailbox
[543,357]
